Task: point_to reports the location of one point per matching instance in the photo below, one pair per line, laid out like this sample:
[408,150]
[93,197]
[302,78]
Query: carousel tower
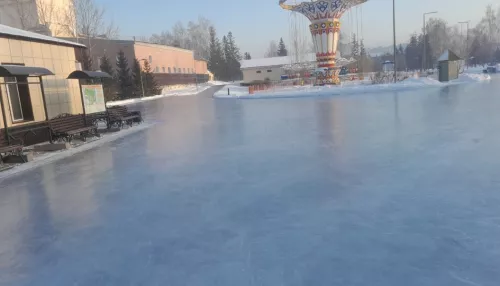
[325,30]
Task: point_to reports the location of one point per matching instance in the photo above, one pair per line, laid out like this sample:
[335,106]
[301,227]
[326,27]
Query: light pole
[424,58]
[142,84]
[394,35]
[466,42]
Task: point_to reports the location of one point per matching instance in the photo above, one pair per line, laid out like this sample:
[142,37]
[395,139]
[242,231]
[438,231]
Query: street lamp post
[466,42]
[142,84]
[394,35]
[424,58]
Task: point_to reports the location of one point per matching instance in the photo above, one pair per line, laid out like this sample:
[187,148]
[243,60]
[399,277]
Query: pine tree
[233,59]
[216,59]
[496,55]
[227,55]
[86,60]
[137,78]
[355,47]
[109,84]
[247,56]
[125,85]
[282,51]
[362,50]
[151,86]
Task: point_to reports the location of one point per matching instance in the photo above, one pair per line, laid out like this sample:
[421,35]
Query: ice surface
[395,189]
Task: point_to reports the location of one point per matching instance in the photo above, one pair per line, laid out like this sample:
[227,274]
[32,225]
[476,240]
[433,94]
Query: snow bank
[356,87]
[50,157]
[180,91]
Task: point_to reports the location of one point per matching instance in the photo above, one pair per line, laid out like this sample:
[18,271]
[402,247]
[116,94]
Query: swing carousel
[324,16]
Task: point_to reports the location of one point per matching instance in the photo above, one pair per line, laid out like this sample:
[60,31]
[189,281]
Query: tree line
[276,50]
[477,45]
[225,57]
[125,82]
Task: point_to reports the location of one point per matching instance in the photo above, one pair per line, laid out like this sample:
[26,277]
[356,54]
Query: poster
[93,98]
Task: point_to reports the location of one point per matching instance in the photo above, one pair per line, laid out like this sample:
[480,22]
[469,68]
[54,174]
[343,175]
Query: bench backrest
[3,140]
[118,111]
[67,122]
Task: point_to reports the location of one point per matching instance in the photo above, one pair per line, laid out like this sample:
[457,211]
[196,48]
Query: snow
[271,62]
[444,56]
[355,87]
[186,90]
[6,30]
[49,157]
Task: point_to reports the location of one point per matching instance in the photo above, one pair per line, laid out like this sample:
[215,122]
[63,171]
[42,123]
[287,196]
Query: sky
[257,22]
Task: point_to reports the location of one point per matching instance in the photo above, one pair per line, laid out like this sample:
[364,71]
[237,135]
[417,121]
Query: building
[449,66]
[269,69]
[171,65]
[48,17]
[22,96]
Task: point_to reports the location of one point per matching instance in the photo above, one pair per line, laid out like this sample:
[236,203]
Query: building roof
[14,32]
[15,70]
[88,75]
[448,56]
[162,47]
[273,62]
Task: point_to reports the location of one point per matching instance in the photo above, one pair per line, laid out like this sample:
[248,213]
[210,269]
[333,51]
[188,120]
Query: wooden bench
[95,118]
[66,126]
[15,147]
[119,115]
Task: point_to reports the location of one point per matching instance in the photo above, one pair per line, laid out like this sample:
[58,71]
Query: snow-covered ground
[166,92]
[236,91]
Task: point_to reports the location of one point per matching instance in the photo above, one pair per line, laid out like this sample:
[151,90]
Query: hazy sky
[255,23]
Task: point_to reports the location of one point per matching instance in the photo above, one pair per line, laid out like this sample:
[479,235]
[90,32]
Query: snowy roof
[448,56]
[9,31]
[272,62]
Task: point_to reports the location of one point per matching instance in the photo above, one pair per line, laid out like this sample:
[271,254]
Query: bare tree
[272,50]
[195,37]
[26,13]
[86,19]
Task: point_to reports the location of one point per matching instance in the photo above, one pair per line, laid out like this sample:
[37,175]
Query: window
[150,59]
[169,71]
[258,71]
[184,70]
[269,70]
[157,69]
[163,68]
[175,70]
[19,99]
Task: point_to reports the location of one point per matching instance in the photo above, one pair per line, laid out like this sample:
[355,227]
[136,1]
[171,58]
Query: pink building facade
[171,65]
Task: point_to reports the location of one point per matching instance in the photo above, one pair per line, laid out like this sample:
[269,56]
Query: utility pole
[466,43]
[394,34]
[424,58]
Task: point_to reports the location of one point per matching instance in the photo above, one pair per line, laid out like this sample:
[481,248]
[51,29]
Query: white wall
[271,73]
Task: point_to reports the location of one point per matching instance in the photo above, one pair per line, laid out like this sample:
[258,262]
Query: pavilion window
[19,99]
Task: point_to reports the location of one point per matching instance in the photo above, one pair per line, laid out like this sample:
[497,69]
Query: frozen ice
[392,188]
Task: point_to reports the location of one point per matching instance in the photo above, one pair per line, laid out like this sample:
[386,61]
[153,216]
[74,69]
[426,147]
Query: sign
[93,98]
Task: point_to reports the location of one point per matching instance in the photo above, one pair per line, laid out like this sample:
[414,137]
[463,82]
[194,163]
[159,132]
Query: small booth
[448,66]
[22,121]
[92,94]
[388,66]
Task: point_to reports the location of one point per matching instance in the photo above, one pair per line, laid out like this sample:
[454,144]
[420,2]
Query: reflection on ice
[387,189]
